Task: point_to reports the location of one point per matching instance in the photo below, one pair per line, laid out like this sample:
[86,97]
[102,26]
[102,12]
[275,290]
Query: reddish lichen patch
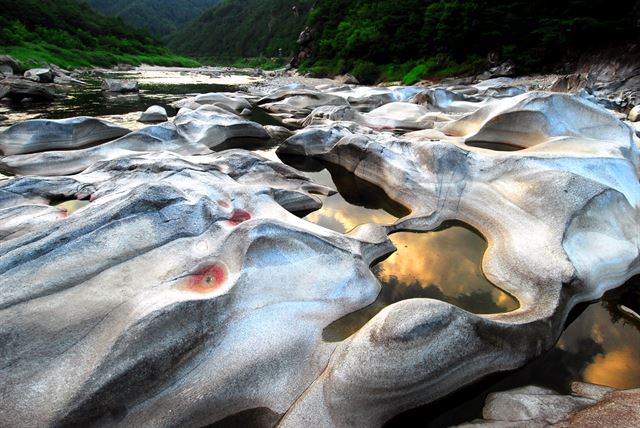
[238,216]
[223,203]
[208,279]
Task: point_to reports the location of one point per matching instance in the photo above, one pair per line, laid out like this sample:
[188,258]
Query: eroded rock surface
[41,135]
[154,114]
[186,292]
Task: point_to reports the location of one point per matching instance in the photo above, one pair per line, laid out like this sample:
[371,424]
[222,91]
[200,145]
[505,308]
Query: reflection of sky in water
[599,346]
[442,265]
[610,351]
[448,262]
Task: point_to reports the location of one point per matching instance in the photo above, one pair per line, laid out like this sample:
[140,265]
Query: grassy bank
[70,34]
[34,54]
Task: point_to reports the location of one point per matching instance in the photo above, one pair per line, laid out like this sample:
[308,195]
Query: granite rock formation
[185,291]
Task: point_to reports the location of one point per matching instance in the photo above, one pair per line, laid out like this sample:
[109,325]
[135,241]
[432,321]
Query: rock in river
[119,86]
[154,114]
[18,89]
[40,135]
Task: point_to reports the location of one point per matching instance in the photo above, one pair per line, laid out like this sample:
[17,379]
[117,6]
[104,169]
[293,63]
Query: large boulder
[217,129]
[18,89]
[9,66]
[44,135]
[536,117]
[119,86]
[154,114]
[299,103]
[237,104]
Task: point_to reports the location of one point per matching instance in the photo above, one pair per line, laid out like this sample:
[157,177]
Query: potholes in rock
[497,147]
[443,265]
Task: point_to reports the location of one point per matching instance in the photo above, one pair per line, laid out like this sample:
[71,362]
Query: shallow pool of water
[443,265]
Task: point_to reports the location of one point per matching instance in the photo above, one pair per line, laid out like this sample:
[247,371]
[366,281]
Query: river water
[600,344]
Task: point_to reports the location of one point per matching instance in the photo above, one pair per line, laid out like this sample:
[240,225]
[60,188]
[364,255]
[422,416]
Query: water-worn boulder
[154,114]
[119,85]
[536,117]
[218,299]
[40,135]
[192,133]
[634,114]
[217,129]
[18,89]
[237,104]
[299,103]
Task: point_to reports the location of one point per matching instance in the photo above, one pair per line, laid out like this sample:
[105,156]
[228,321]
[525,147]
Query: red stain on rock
[239,216]
[208,279]
[223,203]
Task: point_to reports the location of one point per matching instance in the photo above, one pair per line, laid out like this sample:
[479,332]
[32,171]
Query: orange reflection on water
[617,368]
[443,265]
[449,259]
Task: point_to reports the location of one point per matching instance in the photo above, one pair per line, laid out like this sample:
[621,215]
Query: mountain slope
[244,28]
[71,34]
[160,17]
[447,34]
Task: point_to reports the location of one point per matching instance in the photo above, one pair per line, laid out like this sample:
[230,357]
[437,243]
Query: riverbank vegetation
[412,39]
[70,34]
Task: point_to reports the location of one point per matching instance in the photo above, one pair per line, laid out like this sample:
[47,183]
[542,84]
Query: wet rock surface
[187,291]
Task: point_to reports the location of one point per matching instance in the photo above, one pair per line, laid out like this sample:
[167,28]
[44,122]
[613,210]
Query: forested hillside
[248,28]
[420,38]
[160,17]
[71,34]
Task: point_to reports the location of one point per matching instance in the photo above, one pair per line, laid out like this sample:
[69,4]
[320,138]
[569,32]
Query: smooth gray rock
[18,89]
[119,86]
[45,135]
[154,114]
[530,404]
[634,114]
[215,128]
[191,133]
[300,103]
[536,117]
[237,104]
[587,406]
[235,293]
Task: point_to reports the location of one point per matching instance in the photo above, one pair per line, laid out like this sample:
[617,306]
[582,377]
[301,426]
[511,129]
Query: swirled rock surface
[193,132]
[186,292]
[41,135]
